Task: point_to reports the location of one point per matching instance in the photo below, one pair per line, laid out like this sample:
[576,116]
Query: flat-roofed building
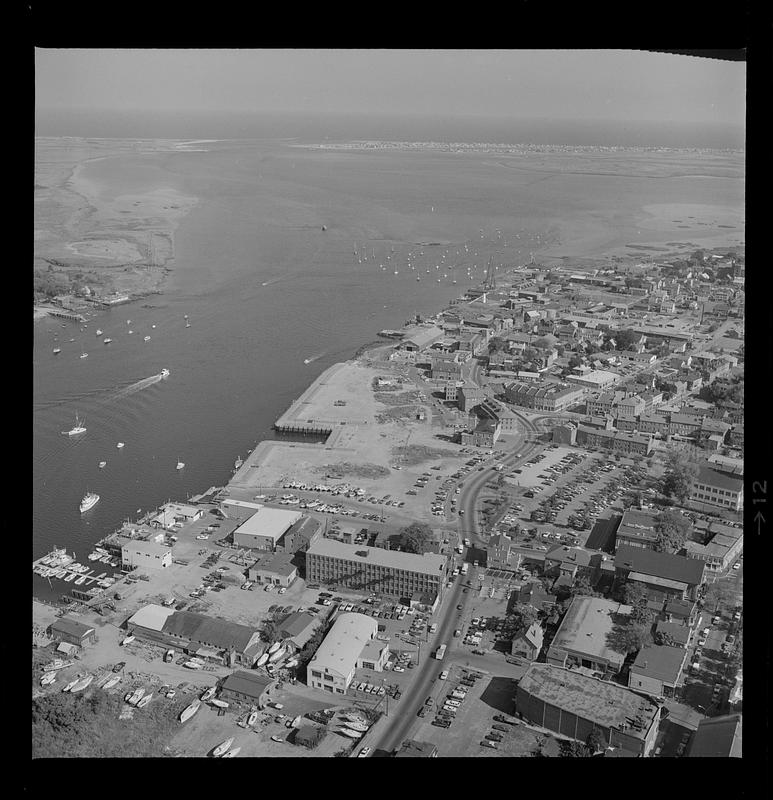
[595,379]
[367,569]
[547,397]
[637,529]
[414,749]
[142,554]
[573,704]
[719,553]
[718,737]
[276,569]
[264,529]
[615,441]
[334,664]
[716,488]
[176,513]
[581,638]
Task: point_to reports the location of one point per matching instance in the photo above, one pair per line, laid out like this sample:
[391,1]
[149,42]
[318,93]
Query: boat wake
[312,359]
[138,386]
[271,281]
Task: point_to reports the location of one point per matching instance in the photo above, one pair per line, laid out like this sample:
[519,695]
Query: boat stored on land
[127,640]
[190,710]
[208,694]
[145,700]
[219,703]
[222,748]
[112,682]
[233,753]
[350,733]
[82,684]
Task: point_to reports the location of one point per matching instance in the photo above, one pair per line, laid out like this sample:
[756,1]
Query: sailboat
[187,324]
[180,465]
[112,682]
[145,700]
[82,684]
[76,430]
[99,332]
[102,464]
[233,753]
[84,355]
[119,445]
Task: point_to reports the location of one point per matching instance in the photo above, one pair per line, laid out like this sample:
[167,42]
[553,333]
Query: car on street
[443,675]
[364,752]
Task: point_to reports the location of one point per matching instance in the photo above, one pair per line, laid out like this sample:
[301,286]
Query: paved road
[397,729]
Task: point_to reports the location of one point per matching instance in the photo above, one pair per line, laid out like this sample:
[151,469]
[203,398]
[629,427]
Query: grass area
[87,726]
[415,454]
[345,468]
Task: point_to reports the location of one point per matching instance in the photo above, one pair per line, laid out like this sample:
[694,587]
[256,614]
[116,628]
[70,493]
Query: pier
[58,312]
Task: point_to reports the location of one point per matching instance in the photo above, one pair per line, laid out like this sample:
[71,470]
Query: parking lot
[469,707]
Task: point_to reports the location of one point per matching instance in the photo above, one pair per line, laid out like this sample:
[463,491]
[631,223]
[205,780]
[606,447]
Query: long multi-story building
[372,569]
[552,397]
[573,704]
[717,488]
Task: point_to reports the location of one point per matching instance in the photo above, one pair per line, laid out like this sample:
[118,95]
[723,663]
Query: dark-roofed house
[568,562]
[572,704]
[73,631]
[673,575]
[414,749]
[301,535]
[681,611]
[274,568]
[527,642]
[657,670]
[247,687]
[298,628]
[534,594]
[718,737]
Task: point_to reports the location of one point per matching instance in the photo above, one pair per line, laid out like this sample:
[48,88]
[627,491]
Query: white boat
[90,499]
[187,324]
[119,445]
[262,660]
[222,748]
[82,684]
[219,703]
[131,331]
[94,557]
[145,700]
[293,662]
[238,462]
[357,726]
[48,678]
[107,341]
[69,686]
[80,580]
[152,326]
[350,733]
[252,718]
[105,559]
[127,640]
[102,464]
[208,694]
[76,430]
[164,373]
[57,350]
[112,682]
[180,465]
[146,339]
[276,656]
[84,355]
[232,753]
[102,681]
[274,647]
[60,573]
[70,576]
[189,711]
[57,663]
[192,665]
[136,697]
[99,332]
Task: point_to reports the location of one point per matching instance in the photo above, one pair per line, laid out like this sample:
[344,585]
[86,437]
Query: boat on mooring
[90,499]
[79,428]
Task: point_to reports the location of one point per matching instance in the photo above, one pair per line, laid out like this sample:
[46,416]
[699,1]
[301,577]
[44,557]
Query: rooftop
[719,737]
[270,522]
[252,684]
[341,648]
[721,480]
[586,625]
[663,663]
[602,702]
[393,559]
[662,565]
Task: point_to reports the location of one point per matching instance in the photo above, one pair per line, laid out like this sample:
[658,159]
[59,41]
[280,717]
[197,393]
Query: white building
[143,554]
[265,528]
[350,642]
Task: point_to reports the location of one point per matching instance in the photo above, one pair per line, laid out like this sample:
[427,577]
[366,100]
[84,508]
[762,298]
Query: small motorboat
[127,640]
[102,464]
[112,682]
[84,355]
[119,445]
[99,332]
[208,694]
[219,703]
[252,718]
[146,339]
[223,748]
[69,686]
[145,700]
[57,350]
[180,465]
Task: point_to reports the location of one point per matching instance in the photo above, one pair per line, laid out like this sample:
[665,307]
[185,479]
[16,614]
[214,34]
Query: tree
[572,749]
[625,338]
[628,638]
[416,538]
[595,743]
[671,528]
[582,586]
[680,474]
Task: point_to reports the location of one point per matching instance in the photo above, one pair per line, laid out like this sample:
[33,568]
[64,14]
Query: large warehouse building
[265,528]
[196,634]
[350,644]
[572,704]
[389,572]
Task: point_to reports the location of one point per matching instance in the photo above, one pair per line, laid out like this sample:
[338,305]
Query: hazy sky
[576,84]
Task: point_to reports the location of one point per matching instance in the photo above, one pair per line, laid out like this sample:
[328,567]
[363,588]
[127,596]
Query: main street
[397,728]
